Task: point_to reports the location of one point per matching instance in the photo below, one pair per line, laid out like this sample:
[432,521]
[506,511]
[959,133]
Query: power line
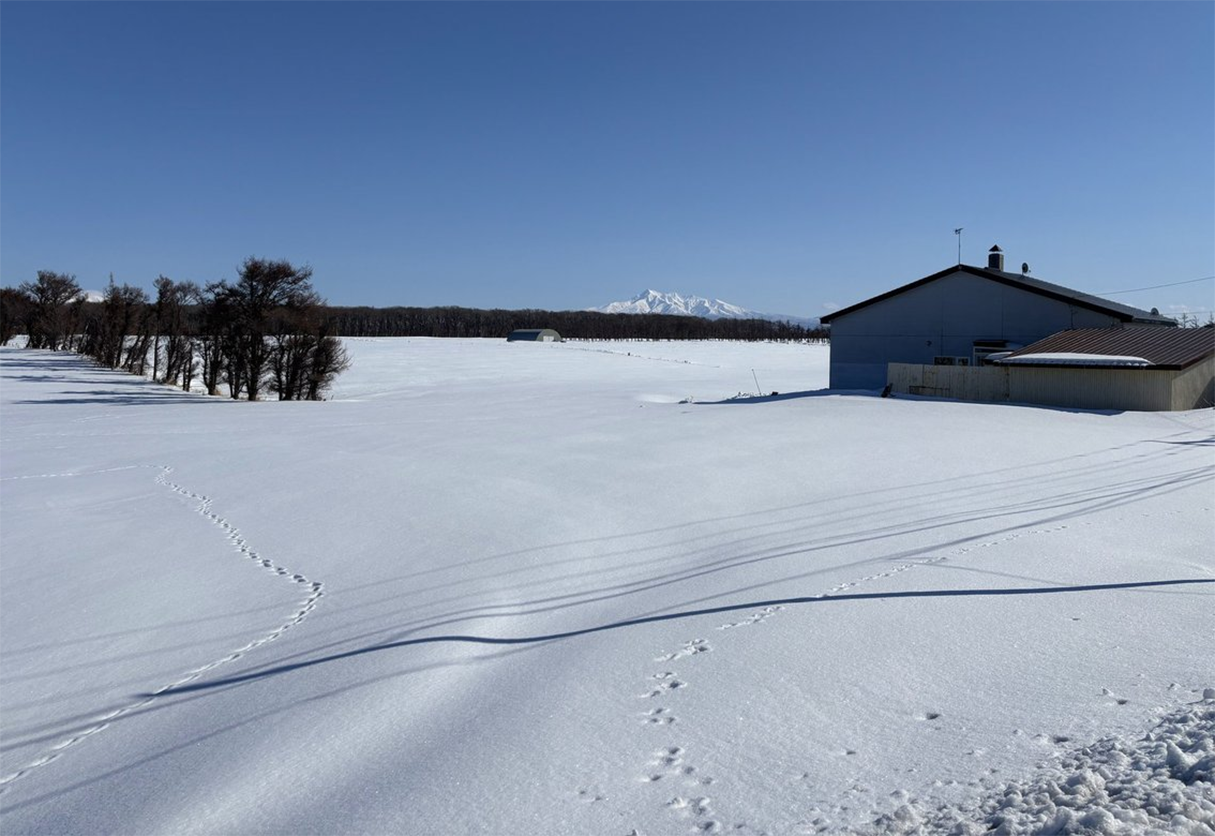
[1155,286]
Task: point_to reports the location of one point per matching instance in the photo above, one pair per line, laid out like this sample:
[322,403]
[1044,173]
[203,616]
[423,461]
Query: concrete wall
[1074,388]
[944,317]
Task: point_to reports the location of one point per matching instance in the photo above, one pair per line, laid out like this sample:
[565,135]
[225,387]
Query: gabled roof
[1163,348]
[1053,291]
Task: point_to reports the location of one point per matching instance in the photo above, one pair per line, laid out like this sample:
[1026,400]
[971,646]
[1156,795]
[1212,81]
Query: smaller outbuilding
[534,335]
[1128,368]
[1118,368]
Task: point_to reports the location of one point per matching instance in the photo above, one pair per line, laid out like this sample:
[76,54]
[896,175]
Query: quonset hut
[534,335]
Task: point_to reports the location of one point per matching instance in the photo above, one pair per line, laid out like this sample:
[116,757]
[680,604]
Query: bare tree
[48,315]
[329,359]
[212,340]
[305,357]
[170,314]
[14,313]
[268,328]
[265,289]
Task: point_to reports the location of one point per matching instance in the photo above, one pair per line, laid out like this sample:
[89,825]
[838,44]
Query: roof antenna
[958,232]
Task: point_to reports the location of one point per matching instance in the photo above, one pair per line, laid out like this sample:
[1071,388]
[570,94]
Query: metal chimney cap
[995,249]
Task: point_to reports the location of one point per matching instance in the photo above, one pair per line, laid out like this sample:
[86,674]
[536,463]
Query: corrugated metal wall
[967,383]
[944,317]
[1075,388]
[1194,388]
[1092,388]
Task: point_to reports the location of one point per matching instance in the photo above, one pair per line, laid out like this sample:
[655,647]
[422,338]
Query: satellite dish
[1024,268]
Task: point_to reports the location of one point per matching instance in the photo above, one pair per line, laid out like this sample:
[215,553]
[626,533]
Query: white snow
[1071,358]
[580,588]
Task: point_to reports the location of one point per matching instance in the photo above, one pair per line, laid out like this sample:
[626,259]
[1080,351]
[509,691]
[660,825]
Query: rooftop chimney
[995,258]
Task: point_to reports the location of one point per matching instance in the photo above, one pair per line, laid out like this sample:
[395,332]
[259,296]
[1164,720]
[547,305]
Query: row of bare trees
[268,331]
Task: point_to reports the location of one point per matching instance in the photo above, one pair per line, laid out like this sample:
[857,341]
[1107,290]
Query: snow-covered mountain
[655,301]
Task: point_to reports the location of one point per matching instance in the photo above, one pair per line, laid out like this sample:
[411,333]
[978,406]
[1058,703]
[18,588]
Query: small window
[963,361]
[943,361]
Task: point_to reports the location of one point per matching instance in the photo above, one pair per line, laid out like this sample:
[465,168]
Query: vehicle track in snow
[241,546]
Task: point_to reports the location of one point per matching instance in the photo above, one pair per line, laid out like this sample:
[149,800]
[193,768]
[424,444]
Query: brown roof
[1164,348]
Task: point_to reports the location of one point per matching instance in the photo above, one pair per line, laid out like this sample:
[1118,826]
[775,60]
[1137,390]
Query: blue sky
[788,157]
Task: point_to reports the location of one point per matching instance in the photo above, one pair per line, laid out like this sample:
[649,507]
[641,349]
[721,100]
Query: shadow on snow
[675,616]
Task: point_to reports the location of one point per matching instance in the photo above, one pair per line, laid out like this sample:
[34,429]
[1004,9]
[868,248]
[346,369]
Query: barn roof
[1054,291]
[1162,348]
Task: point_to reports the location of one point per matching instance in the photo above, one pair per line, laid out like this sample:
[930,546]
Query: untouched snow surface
[586,588]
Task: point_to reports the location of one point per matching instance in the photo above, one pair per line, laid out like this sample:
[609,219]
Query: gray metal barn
[958,317]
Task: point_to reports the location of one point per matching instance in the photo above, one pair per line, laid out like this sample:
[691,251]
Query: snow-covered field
[578,589]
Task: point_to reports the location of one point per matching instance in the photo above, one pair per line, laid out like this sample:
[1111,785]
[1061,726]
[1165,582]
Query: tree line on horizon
[578,325]
[269,330]
[209,323]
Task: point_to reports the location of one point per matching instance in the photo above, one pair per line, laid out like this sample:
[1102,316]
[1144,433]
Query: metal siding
[1072,388]
[943,317]
[1093,388]
[1194,388]
[984,384]
[857,375]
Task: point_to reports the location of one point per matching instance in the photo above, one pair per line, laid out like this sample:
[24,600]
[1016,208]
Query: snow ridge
[99,724]
[1161,783]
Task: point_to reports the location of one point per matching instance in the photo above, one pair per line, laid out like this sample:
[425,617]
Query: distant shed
[534,335]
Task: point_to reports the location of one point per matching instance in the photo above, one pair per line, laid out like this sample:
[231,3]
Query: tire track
[316,591]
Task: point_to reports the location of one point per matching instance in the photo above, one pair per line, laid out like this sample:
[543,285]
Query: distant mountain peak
[661,302]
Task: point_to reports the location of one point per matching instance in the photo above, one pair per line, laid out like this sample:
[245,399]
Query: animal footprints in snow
[754,618]
[658,717]
[690,648]
[668,765]
[667,683]
[315,591]
[695,808]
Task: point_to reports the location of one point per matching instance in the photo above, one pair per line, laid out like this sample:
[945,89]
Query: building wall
[1194,388]
[1092,388]
[985,384]
[944,317]
[1072,388]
